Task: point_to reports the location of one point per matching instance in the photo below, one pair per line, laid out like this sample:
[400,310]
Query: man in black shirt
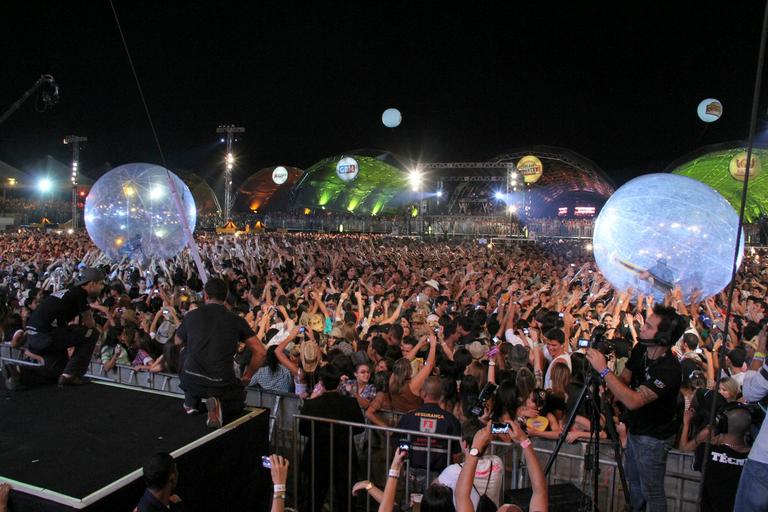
[50,334]
[320,470]
[210,335]
[649,387]
[430,418]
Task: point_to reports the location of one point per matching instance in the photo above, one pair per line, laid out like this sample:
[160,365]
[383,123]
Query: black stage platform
[83,447]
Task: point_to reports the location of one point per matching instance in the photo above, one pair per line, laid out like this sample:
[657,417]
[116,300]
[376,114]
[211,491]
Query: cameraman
[649,387]
[753,485]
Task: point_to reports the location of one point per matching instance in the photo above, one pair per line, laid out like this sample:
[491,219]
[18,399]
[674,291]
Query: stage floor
[82,442]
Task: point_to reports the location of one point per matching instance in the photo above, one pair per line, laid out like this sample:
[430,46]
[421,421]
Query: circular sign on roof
[710,110]
[531,168]
[280,175]
[347,169]
[738,166]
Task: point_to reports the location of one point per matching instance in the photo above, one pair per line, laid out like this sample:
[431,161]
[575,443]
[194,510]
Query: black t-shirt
[58,309]
[662,417]
[431,419]
[211,334]
[722,478]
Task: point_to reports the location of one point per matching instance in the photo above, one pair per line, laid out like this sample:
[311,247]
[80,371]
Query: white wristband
[279,487]
[394,473]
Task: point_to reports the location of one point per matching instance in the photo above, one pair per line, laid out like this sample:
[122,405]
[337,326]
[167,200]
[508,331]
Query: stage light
[70,231]
[415,177]
[12,181]
[512,208]
[221,139]
[499,194]
[45,185]
[588,247]
[156,192]
[439,193]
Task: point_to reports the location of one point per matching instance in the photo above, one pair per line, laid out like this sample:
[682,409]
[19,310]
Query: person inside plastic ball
[649,388]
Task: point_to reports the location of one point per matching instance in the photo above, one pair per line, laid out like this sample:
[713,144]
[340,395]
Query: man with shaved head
[429,455]
[729,452]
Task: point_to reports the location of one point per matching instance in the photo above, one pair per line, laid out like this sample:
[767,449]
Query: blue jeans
[752,495]
[646,465]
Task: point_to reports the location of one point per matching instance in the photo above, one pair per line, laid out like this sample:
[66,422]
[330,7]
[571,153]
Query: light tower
[75,141]
[230,130]
[512,185]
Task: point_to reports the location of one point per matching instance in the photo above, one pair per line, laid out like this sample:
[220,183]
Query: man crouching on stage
[210,335]
[50,334]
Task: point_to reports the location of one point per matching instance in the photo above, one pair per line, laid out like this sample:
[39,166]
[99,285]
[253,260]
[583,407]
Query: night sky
[619,85]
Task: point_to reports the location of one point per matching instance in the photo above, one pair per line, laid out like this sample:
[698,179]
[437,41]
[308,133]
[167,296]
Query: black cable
[138,84]
[739,230]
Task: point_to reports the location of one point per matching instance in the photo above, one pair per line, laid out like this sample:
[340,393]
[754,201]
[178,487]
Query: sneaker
[215,419]
[12,377]
[190,410]
[72,380]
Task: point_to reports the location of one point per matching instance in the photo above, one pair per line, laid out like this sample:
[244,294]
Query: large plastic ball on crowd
[131,212]
[659,231]
[391,118]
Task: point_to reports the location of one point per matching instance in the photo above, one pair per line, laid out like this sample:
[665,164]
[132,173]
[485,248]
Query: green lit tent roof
[710,165]
[379,180]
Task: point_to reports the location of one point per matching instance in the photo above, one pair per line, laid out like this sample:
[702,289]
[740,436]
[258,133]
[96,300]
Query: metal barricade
[282,409]
[375,457]
[9,354]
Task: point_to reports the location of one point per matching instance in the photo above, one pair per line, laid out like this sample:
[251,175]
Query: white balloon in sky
[391,118]
[710,110]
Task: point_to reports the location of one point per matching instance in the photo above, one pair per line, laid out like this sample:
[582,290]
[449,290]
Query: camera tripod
[591,391]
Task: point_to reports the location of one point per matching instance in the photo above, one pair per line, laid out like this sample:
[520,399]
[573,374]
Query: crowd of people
[433,337]
[30,210]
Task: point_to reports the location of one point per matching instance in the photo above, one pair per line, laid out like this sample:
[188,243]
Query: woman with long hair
[273,376]
[404,387]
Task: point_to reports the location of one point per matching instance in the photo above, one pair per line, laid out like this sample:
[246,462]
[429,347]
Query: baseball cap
[87,275]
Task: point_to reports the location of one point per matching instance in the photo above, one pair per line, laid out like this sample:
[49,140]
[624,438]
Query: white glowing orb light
[651,237]
[131,212]
[280,175]
[391,118]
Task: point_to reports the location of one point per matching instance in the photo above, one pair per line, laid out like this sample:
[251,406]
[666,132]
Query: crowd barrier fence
[376,445]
